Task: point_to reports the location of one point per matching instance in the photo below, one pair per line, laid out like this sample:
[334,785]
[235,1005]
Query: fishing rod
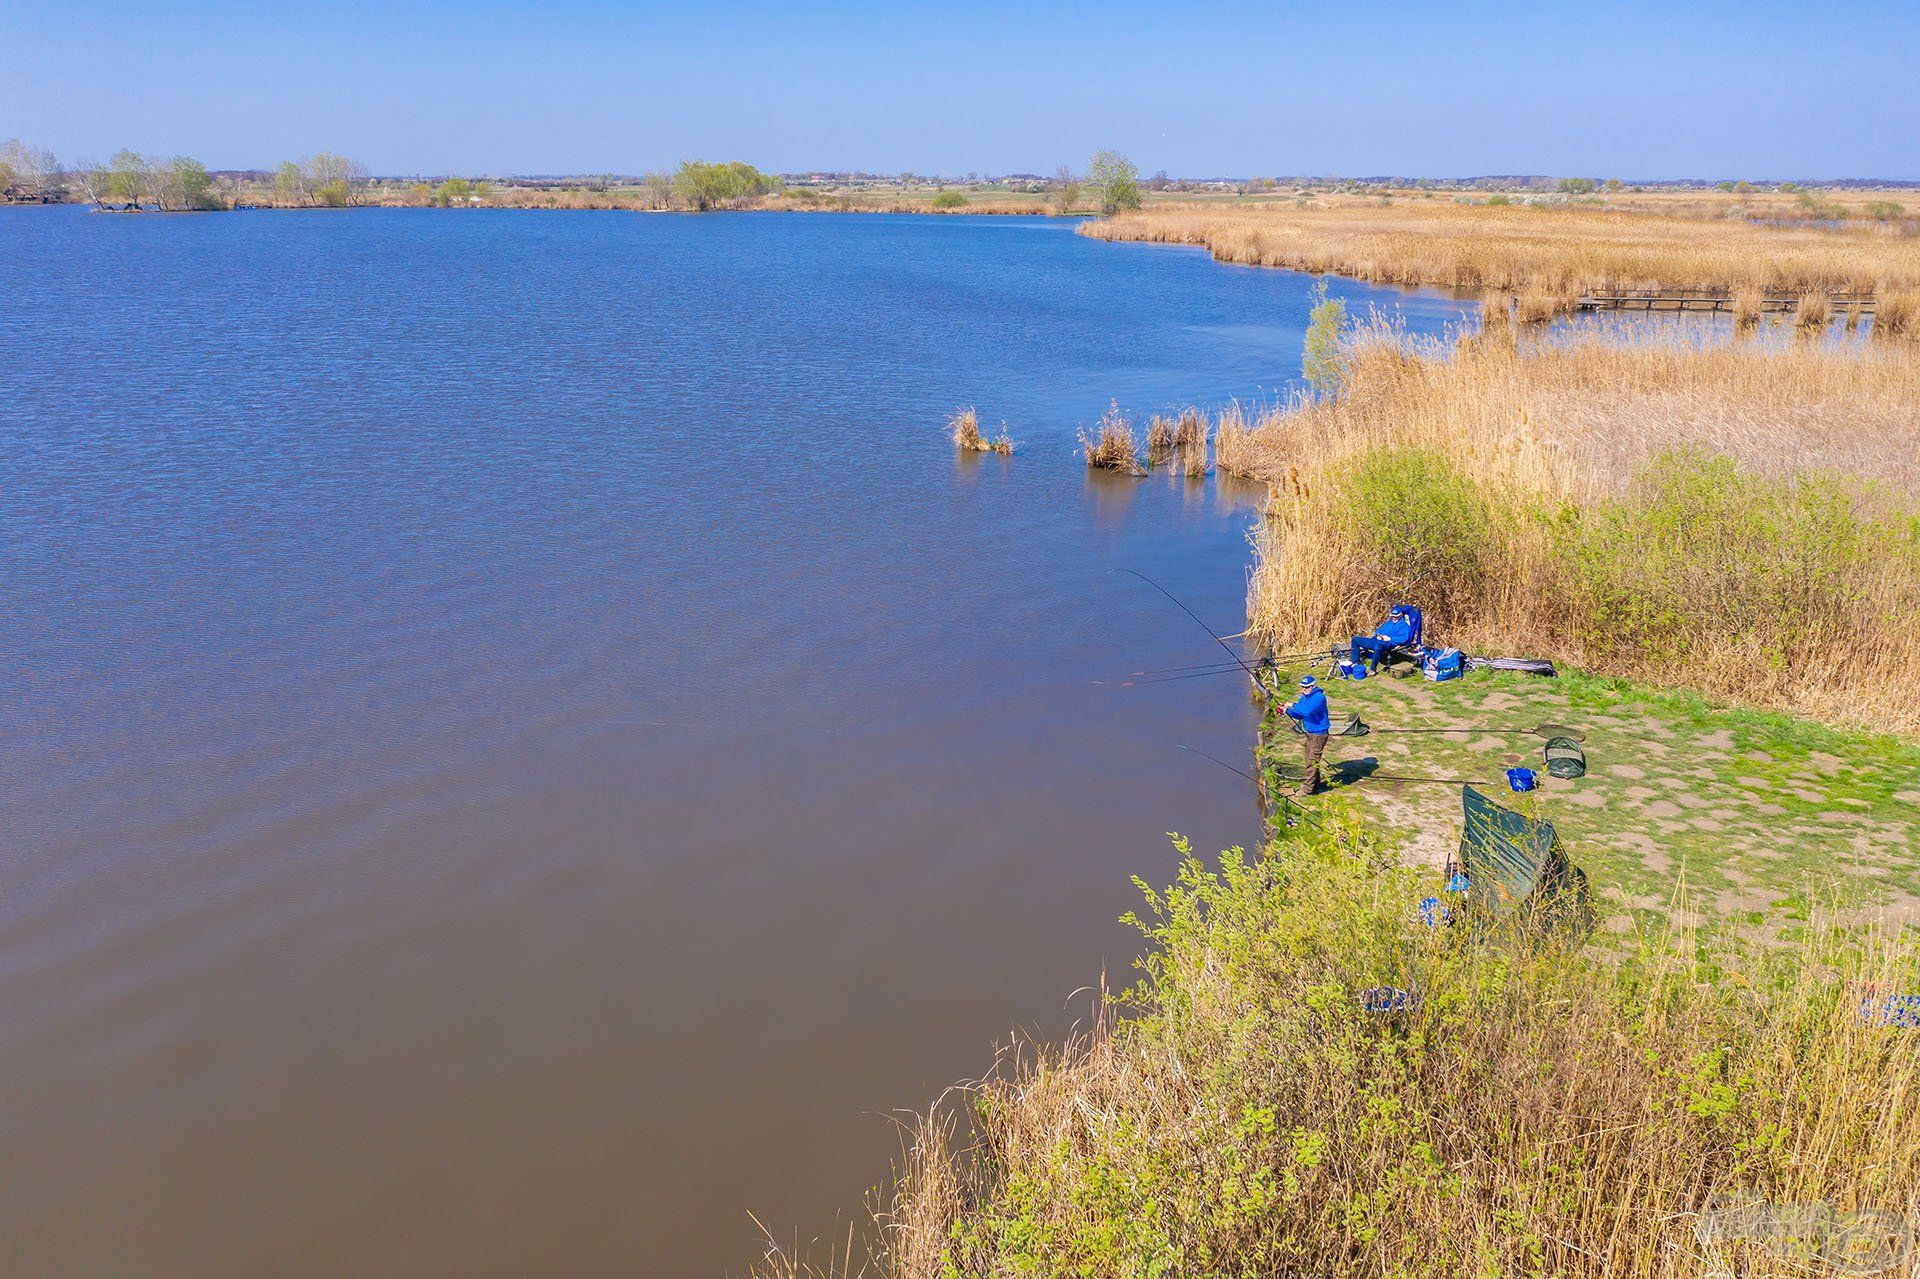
[1286,801]
[1537,730]
[1196,617]
[1267,660]
[1168,679]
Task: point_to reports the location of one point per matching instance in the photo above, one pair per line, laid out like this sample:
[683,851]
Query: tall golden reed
[1736,519]
[1549,256]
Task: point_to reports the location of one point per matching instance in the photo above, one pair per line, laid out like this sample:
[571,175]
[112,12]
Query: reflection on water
[523,740]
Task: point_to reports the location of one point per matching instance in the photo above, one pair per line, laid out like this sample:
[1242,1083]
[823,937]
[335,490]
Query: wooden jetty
[1841,303]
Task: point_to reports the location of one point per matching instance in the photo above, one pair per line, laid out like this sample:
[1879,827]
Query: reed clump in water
[1748,305]
[1812,313]
[1162,436]
[1734,519]
[1541,300]
[1111,445]
[1553,253]
[964,427]
[1232,442]
[1190,442]
[1896,314]
[1547,1109]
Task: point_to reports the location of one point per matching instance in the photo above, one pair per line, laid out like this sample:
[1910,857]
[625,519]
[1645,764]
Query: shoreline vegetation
[1599,1110]
[1737,517]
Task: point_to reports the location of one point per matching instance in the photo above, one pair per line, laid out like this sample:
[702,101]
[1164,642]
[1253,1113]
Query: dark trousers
[1370,649]
[1316,747]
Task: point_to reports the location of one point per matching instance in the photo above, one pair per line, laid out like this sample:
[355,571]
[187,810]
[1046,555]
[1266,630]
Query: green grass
[1750,807]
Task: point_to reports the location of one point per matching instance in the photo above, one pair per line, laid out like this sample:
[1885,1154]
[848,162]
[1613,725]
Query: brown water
[523,744]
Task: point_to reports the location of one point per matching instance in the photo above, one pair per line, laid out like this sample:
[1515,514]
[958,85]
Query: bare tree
[90,179]
[28,172]
[330,179]
[656,189]
[1066,190]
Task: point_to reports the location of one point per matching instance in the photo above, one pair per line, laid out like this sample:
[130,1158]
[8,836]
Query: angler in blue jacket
[1310,708]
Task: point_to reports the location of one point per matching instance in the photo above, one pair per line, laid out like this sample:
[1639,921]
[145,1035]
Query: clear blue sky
[1755,89]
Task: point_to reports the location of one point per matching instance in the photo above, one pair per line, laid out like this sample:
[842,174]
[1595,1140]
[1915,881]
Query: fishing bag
[1443,663]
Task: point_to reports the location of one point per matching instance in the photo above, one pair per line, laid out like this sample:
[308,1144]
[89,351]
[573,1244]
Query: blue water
[522,740]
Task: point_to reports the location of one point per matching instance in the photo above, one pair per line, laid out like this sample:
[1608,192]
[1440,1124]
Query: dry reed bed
[1547,256]
[1736,519]
[1540,1111]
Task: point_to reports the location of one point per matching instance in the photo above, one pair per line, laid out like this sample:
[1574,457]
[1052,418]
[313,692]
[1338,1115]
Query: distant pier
[1860,303]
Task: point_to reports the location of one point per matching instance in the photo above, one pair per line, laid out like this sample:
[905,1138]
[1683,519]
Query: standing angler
[1310,708]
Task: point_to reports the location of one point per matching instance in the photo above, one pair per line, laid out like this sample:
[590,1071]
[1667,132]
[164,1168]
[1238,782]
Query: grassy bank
[1539,1111]
[1552,253]
[1741,520]
[1747,808]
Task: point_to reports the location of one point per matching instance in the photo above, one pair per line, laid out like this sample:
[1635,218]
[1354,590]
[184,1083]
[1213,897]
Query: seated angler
[1400,630]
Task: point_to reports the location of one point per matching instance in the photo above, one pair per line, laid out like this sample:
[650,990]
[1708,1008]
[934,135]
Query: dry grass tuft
[1002,443]
[1111,446]
[1748,307]
[1739,520]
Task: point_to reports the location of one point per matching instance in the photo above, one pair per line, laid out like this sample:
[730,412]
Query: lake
[522,742]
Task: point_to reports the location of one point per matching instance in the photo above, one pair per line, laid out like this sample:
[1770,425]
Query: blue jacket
[1311,711]
[1398,630]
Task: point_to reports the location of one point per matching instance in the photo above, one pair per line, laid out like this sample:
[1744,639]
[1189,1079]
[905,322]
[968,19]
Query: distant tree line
[133,181]
[29,173]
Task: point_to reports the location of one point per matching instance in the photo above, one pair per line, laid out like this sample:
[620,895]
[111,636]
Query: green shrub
[950,200]
[1542,1110]
[1699,543]
[1426,527]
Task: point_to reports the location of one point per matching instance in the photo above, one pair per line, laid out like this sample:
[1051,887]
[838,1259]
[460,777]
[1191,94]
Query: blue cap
[1306,681]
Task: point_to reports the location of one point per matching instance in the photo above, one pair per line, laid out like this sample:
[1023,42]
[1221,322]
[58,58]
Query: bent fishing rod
[1224,646]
